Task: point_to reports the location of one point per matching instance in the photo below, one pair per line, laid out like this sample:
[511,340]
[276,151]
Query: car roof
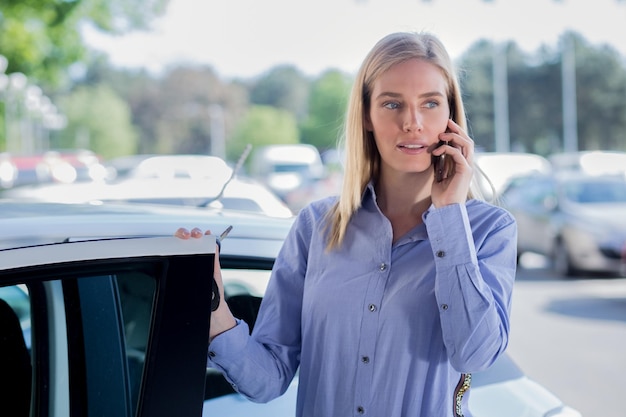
[39,223]
[579,176]
[590,162]
[178,191]
[499,166]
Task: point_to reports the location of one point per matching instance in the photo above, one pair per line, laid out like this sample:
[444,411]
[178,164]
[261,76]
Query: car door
[117,327]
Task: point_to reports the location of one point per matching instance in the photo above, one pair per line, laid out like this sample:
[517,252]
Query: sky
[246,38]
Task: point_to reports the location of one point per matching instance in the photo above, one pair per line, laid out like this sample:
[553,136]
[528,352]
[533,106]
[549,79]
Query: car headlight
[564,412]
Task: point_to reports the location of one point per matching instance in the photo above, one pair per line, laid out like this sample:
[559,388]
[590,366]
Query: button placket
[367,342]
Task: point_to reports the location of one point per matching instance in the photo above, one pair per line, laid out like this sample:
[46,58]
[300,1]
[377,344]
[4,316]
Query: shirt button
[440,254]
[444,306]
[360,409]
[365,359]
[372,307]
[382,266]
[211,354]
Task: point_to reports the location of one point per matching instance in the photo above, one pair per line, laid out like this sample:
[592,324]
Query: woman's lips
[412,148]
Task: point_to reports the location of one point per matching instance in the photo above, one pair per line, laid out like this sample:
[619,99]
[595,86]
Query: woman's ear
[367,123]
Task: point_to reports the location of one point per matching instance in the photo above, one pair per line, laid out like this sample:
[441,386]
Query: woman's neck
[403,200]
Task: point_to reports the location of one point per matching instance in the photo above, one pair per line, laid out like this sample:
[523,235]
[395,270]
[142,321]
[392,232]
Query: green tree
[263,125]
[41,38]
[98,119]
[600,96]
[535,96]
[174,112]
[535,107]
[283,87]
[327,106]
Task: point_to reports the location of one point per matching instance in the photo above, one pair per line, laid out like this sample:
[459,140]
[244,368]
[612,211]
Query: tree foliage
[99,120]
[172,112]
[263,125]
[41,38]
[128,111]
[535,95]
[283,87]
[327,106]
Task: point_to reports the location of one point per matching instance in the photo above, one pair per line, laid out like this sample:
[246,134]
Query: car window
[596,192]
[528,192]
[16,296]
[97,325]
[15,359]
[537,192]
[136,292]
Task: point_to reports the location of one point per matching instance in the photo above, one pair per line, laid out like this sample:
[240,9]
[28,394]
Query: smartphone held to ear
[440,164]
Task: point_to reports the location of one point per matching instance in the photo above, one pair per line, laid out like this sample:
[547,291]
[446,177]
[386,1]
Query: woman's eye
[391,105]
[431,104]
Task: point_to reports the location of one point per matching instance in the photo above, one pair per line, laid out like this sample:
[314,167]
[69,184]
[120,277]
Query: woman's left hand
[460,152]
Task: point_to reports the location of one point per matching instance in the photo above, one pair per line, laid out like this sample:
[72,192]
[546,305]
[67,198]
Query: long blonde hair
[362,160]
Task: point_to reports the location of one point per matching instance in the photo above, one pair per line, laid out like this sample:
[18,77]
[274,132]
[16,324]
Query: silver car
[576,220]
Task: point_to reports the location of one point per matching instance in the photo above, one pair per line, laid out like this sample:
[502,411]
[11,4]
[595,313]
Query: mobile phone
[439,163]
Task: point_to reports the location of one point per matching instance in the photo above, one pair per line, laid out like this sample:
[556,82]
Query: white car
[118,315]
[501,167]
[240,194]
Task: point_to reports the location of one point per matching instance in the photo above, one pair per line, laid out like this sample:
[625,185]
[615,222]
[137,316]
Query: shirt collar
[369,203]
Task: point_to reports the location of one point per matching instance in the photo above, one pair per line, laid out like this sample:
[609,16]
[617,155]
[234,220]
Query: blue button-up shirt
[379,328]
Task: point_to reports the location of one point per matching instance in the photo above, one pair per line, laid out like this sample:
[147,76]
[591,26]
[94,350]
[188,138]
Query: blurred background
[246,99]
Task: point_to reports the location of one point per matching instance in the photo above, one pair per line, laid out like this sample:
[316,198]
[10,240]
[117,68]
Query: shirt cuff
[450,234]
[228,347]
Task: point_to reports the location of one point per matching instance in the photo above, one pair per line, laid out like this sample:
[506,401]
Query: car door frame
[175,361]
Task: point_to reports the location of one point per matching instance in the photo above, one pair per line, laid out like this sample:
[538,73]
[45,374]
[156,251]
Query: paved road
[570,335]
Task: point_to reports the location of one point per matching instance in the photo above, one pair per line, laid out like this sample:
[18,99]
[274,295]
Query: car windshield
[300,168]
[597,191]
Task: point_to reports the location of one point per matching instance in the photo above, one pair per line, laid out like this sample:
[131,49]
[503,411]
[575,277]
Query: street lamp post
[216,118]
[501,98]
[568,79]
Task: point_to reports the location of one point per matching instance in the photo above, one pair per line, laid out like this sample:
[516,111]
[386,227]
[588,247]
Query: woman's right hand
[221,319]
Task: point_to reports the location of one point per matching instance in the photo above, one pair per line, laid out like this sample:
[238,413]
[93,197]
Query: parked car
[576,220]
[590,162]
[53,166]
[501,167]
[240,194]
[118,314]
[205,167]
[288,170]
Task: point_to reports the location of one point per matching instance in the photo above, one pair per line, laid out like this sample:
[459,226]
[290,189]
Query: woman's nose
[412,122]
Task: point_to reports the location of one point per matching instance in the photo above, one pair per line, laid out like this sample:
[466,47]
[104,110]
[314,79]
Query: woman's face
[409,109]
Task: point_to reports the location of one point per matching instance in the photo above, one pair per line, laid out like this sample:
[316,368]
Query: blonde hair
[362,160]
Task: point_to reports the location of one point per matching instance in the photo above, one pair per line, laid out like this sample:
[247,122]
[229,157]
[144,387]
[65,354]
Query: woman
[387,297]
